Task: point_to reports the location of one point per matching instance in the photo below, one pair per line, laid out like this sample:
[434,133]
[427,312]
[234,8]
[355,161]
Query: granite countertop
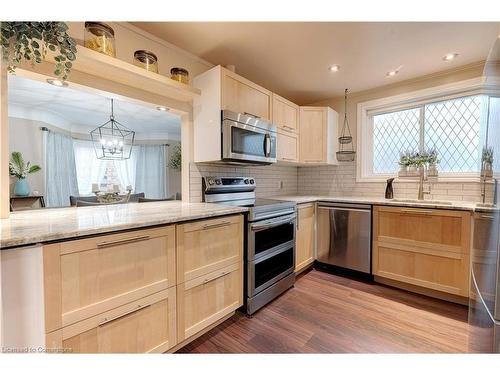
[455,205]
[36,226]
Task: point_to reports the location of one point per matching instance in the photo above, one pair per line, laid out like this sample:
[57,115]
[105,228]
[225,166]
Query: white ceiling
[292,59]
[84,111]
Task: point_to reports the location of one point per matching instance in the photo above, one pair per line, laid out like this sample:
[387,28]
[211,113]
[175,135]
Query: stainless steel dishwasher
[344,235]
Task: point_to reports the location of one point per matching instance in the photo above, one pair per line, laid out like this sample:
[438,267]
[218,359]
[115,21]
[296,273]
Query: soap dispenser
[389,191]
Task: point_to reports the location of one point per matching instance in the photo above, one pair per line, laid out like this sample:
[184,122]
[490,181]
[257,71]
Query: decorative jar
[180,75]
[100,37]
[146,60]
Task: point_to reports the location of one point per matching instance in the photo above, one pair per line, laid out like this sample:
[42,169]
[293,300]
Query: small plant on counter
[30,41]
[487,162]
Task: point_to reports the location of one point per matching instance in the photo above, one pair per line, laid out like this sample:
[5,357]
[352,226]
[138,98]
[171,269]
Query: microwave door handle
[267,145]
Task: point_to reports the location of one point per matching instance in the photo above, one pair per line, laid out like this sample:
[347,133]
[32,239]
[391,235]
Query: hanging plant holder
[346,152]
[112,140]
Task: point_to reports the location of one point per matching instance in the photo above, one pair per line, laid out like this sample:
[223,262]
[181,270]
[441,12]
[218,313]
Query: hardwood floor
[325,313]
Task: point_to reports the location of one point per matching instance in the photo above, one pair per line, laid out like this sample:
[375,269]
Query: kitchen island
[130,278]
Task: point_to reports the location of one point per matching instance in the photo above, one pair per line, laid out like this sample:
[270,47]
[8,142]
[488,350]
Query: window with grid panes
[452,127]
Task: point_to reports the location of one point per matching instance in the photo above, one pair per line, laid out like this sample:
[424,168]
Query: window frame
[415,99]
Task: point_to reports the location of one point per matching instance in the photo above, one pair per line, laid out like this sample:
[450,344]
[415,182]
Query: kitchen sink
[448,203]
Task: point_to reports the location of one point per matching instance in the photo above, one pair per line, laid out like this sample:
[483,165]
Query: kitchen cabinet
[208,245]
[304,240]
[428,248]
[147,325]
[223,90]
[89,276]
[287,147]
[143,290]
[318,138]
[205,300]
[285,114]
[243,96]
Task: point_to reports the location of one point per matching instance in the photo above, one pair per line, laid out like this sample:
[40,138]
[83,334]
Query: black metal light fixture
[346,152]
[112,140]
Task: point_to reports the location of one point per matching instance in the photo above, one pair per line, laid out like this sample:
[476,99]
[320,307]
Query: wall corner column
[4,144]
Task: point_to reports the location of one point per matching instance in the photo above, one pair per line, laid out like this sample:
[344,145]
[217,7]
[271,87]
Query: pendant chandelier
[346,152]
[112,140]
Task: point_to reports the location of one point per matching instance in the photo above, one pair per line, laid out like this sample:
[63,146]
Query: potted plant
[487,162]
[404,162]
[432,162]
[414,163]
[19,169]
[30,41]
[175,161]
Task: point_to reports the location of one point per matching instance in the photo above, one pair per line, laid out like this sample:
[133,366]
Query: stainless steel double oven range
[269,238]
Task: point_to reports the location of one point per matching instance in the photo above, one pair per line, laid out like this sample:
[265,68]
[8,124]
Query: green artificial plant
[30,41]
[19,168]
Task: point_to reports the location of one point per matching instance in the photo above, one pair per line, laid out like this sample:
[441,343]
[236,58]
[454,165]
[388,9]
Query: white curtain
[90,170]
[150,170]
[61,180]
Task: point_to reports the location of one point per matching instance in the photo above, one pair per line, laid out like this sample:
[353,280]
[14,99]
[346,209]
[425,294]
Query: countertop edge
[74,235]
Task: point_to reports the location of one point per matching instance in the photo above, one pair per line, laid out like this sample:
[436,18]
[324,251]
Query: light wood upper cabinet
[423,247]
[208,245]
[206,299]
[304,246]
[285,114]
[243,96]
[147,325]
[287,147]
[318,136]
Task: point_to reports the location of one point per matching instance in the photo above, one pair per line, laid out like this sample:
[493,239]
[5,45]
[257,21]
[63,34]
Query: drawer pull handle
[491,217]
[417,212]
[212,226]
[122,241]
[288,127]
[109,320]
[289,159]
[206,281]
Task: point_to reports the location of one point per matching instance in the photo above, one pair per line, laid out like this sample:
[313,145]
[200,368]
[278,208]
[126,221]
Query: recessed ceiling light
[162,108]
[392,73]
[57,82]
[334,68]
[450,56]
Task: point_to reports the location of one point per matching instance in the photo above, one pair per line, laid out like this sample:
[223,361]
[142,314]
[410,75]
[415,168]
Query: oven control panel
[212,183]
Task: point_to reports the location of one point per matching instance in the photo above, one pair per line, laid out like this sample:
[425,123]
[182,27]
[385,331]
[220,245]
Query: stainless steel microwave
[247,139]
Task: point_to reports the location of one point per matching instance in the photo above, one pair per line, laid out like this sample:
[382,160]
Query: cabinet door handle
[218,225]
[123,241]
[206,281]
[490,217]
[288,127]
[137,308]
[289,159]
[251,114]
[417,212]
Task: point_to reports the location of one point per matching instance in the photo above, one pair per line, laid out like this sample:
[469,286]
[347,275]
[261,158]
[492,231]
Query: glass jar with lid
[180,75]
[146,60]
[100,37]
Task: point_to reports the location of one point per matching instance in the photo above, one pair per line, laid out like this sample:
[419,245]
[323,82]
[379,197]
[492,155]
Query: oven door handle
[272,223]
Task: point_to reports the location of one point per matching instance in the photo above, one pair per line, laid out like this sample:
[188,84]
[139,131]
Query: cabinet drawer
[208,245]
[204,300]
[439,230]
[446,272]
[143,326]
[100,273]
[287,147]
[242,96]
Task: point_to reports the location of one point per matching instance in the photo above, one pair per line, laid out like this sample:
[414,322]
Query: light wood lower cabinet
[423,247]
[143,326]
[206,299]
[90,276]
[304,242]
[208,245]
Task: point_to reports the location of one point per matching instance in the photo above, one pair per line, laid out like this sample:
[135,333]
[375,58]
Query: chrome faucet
[422,179]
